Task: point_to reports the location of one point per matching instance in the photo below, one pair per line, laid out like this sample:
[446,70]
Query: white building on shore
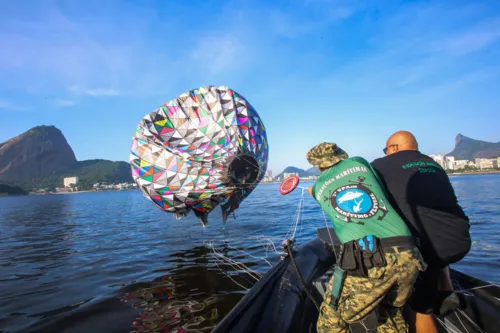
[440,159]
[462,164]
[486,163]
[289,174]
[449,163]
[71,180]
[308,178]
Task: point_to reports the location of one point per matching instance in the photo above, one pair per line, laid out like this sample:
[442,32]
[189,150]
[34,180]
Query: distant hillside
[89,173]
[11,190]
[38,152]
[313,171]
[469,149]
[290,169]
[41,157]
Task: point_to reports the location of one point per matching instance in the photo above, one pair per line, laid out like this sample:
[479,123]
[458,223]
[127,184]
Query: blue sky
[350,72]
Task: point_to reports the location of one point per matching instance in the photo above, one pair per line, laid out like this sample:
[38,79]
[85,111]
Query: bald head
[399,141]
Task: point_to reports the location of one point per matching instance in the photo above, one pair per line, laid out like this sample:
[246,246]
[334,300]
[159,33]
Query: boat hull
[278,302]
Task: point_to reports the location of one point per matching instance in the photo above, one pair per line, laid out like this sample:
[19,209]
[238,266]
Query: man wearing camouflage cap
[379,261]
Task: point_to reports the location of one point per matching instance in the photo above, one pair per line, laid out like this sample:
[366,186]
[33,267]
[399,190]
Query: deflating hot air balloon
[204,148]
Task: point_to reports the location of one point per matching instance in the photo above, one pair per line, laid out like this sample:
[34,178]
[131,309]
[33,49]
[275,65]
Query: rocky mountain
[38,152]
[469,149]
[42,157]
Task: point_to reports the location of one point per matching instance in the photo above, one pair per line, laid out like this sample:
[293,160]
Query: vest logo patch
[353,201]
[356,201]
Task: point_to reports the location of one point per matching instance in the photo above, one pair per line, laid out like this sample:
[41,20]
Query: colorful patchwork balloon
[204,148]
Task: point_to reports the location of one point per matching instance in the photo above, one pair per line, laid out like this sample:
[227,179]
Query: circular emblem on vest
[354,201]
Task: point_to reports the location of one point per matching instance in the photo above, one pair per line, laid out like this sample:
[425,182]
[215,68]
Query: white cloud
[61,103]
[308,17]
[97,92]
[100,57]
[470,41]
[6,105]
[217,54]
[106,58]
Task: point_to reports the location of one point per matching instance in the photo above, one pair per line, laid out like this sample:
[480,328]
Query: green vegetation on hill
[99,171]
[41,158]
[11,190]
[89,173]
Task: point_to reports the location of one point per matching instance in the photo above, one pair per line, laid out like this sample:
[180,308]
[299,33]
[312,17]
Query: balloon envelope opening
[243,171]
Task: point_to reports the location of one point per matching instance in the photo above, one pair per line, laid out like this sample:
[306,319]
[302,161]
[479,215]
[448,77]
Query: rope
[304,285]
[329,235]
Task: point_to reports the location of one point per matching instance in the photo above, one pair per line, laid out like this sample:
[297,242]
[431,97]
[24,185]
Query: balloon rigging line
[269,246]
[297,218]
[236,265]
[225,272]
[470,320]
[465,292]
[229,276]
[262,258]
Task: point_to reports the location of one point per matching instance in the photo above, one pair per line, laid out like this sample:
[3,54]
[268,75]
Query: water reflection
[193,297]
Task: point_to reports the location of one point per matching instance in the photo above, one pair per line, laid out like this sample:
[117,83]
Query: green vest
[352,196]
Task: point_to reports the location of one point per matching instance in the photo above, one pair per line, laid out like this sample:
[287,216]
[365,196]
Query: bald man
[421,191]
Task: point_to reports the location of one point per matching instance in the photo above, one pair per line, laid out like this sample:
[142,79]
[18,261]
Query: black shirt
[421,191]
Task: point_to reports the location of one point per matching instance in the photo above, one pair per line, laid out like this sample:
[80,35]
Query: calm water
[112,262]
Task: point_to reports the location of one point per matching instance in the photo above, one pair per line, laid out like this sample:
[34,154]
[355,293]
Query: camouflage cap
[325,155]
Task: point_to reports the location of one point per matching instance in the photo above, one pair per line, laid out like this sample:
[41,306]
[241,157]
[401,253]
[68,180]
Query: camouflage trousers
[391,286]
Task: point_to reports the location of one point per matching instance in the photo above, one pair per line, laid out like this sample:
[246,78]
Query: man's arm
[312,191]
[375,172]
[374,166]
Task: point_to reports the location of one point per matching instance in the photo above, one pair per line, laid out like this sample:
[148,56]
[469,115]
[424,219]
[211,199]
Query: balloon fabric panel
[204,148]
